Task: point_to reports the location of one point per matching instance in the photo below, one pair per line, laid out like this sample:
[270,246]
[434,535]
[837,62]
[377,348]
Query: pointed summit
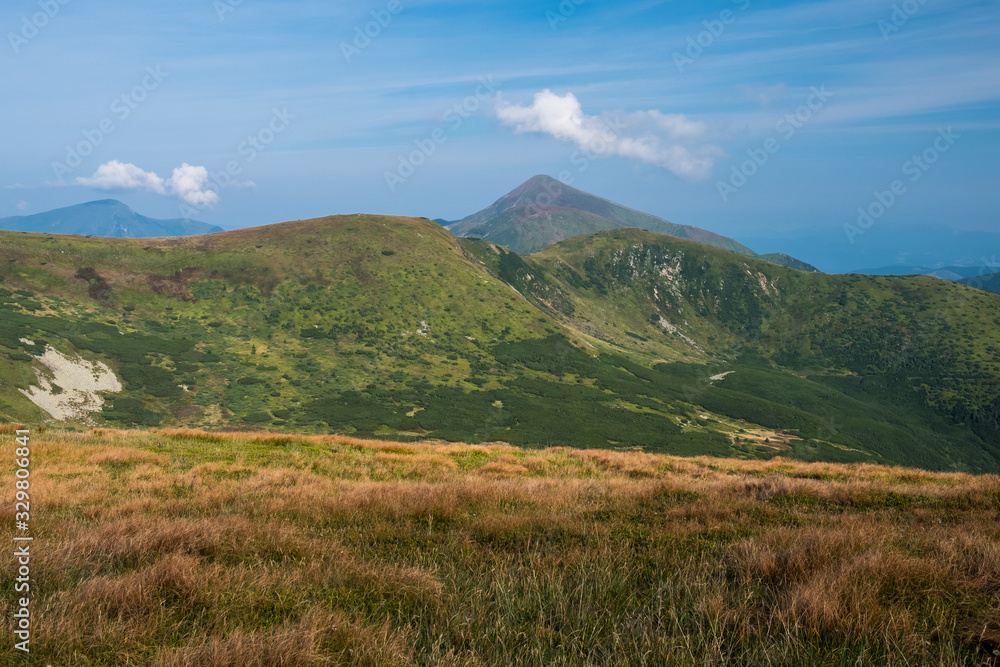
[542,211]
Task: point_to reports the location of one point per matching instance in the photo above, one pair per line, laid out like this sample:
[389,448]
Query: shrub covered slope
[392,327]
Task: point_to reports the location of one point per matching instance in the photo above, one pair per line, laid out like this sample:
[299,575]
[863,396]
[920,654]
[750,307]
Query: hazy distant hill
[989,282]
[888,249]
[946,272]
[542,211]
[107,217]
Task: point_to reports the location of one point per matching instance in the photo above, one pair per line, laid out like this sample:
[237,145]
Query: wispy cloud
[665,140]
[188,182]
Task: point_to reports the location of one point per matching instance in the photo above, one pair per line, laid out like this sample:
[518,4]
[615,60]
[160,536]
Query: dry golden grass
[178,547]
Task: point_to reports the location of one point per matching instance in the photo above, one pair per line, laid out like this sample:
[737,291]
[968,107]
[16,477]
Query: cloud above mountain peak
[670,141]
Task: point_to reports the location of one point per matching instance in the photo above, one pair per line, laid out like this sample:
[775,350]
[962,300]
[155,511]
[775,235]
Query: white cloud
[665,140]
[188,182]
[22,205]
[116,175]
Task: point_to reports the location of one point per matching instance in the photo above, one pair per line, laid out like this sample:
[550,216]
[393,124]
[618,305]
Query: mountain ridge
[782,259]
[392,327]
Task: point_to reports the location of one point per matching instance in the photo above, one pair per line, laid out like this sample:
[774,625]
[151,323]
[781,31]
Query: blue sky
[681,91]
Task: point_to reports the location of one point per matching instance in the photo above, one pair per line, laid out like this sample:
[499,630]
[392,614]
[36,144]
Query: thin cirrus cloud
[671,141]
[188,182]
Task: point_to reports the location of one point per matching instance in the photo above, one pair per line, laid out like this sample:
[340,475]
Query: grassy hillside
[266,318]
[903,368]
[531,228]
[391,327]
[187,548]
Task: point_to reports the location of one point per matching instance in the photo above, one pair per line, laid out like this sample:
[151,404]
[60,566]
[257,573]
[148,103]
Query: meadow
[183,547]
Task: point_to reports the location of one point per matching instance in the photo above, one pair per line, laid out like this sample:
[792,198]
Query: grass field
[176,547]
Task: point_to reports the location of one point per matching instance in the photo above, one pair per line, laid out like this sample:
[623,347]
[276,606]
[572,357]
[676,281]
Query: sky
[750,118]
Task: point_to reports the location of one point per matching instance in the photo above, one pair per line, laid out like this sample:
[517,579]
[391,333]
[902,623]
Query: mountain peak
[543,211]
[540,181]
[111,203]
[540,190]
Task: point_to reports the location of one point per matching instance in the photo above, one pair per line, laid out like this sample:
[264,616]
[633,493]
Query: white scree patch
[70,389]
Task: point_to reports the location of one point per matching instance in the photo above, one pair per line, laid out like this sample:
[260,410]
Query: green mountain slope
[542,211]
[106,217]
[914,349]
[535,227]
[393,327]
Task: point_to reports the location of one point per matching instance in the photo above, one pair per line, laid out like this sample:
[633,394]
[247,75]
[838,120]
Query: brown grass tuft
[320,637]
[121,456]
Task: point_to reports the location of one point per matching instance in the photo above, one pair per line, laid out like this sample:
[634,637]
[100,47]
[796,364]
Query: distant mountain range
[536,214]
[956,273]
[107,217]
[543,211]
[981,276]
[890,250]
[945,273]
